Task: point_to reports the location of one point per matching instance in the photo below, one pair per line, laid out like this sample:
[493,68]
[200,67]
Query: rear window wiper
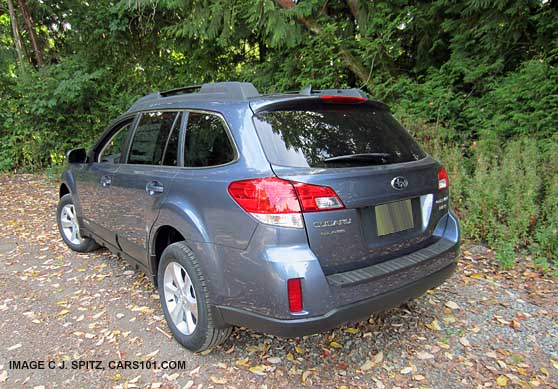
[359,157]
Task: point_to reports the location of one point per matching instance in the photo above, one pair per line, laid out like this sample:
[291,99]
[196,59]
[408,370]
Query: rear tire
[66,218]
[186,300]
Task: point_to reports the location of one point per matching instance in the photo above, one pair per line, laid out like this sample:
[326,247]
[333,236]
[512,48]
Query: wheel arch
[63,190]
[163,236]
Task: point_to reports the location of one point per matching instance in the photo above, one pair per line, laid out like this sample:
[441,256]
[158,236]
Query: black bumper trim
[355,311]
[382,269]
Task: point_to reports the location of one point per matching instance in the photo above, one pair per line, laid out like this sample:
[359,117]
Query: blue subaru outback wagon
[287,213]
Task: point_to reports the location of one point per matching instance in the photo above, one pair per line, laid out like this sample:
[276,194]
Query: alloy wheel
[180,298]
[70,226]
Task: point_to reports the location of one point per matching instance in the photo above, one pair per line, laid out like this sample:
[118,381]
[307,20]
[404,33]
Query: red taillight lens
[443,180]
[314,198]
[294,290]
[343,99]
[278,202]
[265,196]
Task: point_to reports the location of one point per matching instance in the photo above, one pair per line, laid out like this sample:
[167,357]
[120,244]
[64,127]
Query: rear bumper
[256,296]
[354,311]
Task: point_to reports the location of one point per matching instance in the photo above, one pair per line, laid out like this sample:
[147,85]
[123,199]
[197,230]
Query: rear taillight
[270,200]
[294,291]
[343,99]
[443,181]
[280,202]
[314,198]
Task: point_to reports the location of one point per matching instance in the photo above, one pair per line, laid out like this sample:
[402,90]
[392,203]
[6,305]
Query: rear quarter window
[207,143]
[335,136]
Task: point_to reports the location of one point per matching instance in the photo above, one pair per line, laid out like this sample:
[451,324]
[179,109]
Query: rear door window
[150,137]
[206,142]
[335,136]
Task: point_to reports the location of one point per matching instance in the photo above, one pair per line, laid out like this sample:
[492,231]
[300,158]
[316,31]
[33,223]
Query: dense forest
[475,80]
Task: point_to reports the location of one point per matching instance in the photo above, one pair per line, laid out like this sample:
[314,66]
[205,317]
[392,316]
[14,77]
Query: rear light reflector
[280,202]
[314,198]
[294,290]
[443,180]
[343,99]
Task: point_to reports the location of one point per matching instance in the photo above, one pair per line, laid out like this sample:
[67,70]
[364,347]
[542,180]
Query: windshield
[336,136]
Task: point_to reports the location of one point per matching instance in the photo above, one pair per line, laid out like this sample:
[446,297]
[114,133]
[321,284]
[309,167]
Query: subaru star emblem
[399,183]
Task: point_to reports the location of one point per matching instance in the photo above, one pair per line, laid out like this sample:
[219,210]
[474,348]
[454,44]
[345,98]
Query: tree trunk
[350,61]
[31,30]
[17,38]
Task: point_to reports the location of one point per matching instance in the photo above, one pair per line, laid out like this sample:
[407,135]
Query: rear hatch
[387,184]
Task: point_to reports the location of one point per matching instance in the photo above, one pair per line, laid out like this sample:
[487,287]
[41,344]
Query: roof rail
[352,92]
[229,90]
[178,91]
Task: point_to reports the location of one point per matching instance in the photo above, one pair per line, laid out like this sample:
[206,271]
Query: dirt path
[481,328]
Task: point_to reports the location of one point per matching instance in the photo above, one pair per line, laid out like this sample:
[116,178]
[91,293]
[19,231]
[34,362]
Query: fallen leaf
[379,358]
[274,360]
[452,305]
[63,312]
[554,363]
[305,376]
[134,380]
[299,350]
[188,385]
[434,326]
[151,355]
[406,370]
[367,365]
[243,362]
[464,342]
[418,377]
[218,380]
[424,355]
[258,370]
[334,344]
[502,380]
[351,330]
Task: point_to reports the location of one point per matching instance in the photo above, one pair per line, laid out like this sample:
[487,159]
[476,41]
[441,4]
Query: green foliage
[476,81]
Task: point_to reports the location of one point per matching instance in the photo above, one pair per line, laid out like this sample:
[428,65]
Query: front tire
[186,301]
[68,226]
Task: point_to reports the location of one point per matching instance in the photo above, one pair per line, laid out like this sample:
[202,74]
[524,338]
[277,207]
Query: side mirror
[76,156]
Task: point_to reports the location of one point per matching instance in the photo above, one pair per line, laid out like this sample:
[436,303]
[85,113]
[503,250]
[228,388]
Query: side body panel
[95,198]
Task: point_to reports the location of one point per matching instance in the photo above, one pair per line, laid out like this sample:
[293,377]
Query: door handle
[106,181]
[154,187]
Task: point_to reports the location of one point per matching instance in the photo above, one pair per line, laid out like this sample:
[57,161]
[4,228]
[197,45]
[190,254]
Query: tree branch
[351,62]
[16,36]
[28,19]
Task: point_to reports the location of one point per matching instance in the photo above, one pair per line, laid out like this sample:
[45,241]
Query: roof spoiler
[353,92]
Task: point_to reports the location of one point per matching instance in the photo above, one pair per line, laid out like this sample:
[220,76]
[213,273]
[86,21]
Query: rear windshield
[336,136]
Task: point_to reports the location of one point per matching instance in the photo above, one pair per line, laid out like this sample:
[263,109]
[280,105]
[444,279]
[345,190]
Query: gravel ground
[482,328]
